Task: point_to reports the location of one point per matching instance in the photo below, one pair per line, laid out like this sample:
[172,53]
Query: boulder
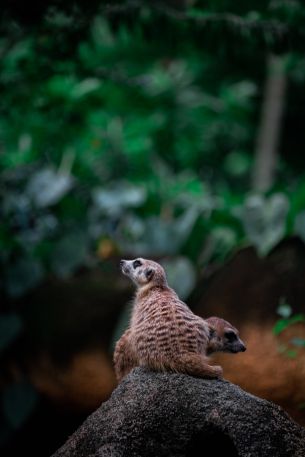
[175,415]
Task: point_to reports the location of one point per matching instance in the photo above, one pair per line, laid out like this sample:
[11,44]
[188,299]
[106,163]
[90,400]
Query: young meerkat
[164,334]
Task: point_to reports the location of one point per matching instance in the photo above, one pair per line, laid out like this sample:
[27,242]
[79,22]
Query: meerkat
[164,334]
[223,337]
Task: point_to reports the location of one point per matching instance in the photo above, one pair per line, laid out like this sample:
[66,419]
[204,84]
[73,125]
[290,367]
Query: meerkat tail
[124,358]
[196,365]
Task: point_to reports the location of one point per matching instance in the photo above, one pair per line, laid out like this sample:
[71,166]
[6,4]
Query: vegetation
[131,129]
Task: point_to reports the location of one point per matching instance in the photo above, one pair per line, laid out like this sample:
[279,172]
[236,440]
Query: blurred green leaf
[181,275]
[46,187]
[101,33]
[114,200]
[300,342]
[160,236]
[85,87]
[291,353]
[69,253]
[223,239]
[61,86]
[264,220]
[237,163]
[282,324]
[284,310]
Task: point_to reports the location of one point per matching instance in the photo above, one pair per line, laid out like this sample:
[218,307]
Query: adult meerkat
[164,334]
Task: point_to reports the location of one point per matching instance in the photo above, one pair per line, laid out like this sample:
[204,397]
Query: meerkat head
[144,272]
[223,337]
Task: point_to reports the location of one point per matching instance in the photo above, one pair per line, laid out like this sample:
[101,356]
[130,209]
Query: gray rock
[174,415]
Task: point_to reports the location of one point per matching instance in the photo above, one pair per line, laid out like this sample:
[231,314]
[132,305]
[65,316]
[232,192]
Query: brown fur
[164,334]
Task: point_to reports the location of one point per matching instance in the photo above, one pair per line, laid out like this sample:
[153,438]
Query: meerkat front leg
[124,358]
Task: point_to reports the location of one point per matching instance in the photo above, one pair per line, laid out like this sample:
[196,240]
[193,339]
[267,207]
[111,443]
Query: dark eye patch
[136,263]
[230,336]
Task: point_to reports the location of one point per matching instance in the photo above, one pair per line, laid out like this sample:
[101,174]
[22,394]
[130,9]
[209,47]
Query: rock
[174,415]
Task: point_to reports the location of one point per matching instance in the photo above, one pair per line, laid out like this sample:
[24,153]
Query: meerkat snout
[124,266]
[242,347]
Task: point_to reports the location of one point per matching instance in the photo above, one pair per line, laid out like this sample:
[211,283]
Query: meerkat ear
[149,272]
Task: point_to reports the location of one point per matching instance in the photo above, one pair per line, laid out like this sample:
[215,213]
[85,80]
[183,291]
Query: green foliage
[282,324]
[181,275]
[126,134]
[288,320]
[264,220]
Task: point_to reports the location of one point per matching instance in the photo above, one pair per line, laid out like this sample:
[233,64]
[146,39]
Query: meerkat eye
[230,335]
[136,264]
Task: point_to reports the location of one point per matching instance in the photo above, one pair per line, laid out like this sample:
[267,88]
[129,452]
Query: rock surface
[174,415]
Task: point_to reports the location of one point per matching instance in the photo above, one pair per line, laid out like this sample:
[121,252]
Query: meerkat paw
[218,371]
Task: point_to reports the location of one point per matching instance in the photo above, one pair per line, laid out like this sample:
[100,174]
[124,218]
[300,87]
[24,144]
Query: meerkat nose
[122,262]
[243,348]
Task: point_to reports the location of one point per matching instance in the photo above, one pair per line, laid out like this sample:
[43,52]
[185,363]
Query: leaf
[223,241]
[17,53]
[237,163]
[69,253]
[85,87]
[18,402]
[285,350]
[46,187]
[284,310]
[282,324]
[291,353]
[157,82]
[114,200]
[300,342]
[181,275]
[159,236]
[61,86]
[264,220]
[23,275]
[101,34]
[10,327]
